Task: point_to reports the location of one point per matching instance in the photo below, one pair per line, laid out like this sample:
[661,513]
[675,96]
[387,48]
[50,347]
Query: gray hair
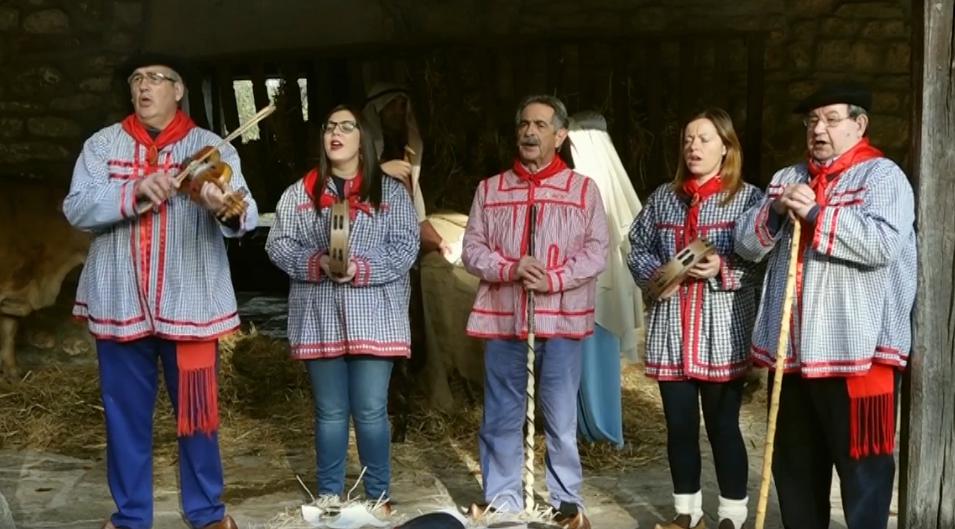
[560,119]
[856,111]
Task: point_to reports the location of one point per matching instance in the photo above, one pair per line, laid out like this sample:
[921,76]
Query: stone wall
[57,55]
[57,58]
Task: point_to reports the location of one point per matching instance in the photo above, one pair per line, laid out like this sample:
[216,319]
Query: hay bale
[262,370]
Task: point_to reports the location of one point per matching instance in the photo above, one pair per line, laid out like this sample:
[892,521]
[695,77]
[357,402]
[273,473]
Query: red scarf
[198,390]
[823,176]
[177,129]
[697,193]
[327,199]
[555,166]
[871,396]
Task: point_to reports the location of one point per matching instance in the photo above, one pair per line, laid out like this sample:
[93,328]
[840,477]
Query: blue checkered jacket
[367,316]
[714,344]
[164,273]
[859,273]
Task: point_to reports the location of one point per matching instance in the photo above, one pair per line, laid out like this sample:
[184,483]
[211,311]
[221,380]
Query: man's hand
[155,188]
[530,269]
[707,268]
[400,170]
[799,199]
[539,285]
[211,197]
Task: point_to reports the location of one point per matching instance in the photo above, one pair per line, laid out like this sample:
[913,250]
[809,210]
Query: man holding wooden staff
[850,326]
[569,251]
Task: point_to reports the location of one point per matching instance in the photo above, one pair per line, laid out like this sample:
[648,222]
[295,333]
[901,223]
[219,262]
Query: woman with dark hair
[699,332]
[348,328]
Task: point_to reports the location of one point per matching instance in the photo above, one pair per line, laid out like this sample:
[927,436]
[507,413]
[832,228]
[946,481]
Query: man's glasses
[152,78]
[347,127]
[830,123]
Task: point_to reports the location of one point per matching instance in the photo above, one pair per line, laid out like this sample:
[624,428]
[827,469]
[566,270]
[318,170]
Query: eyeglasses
[347,127]
[830,123]
[152,78]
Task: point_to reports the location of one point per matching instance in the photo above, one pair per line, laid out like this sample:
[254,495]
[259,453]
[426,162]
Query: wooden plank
[260,93]
[928,437]
[230,109]
[657,167]
[719,93]
[753,134]
[260,96]
[216,102]
[620,120]
[197,102]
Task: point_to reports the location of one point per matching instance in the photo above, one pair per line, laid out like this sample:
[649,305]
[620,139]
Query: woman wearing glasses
[348,328]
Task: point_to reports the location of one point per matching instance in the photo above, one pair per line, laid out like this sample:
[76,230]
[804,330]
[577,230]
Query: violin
[210,168]
[207,166]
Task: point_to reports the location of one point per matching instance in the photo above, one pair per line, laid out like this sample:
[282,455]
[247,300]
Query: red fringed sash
[198,390]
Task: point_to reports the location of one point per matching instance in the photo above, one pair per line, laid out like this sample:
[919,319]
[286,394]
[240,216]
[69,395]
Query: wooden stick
[529,504]
[187,170]
[781,347]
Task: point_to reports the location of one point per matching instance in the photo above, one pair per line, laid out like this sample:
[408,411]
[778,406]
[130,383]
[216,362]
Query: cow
[38,248]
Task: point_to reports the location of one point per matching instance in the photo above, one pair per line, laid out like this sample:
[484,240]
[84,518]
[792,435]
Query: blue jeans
[129,375]
[501,439]
[355,386]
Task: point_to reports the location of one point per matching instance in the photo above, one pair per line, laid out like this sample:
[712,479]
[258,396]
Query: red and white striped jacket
[571,240]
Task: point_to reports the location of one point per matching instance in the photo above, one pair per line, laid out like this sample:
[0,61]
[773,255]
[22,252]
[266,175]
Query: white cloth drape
[619,302]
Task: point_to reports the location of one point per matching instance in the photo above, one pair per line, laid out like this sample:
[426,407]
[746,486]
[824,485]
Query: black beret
[850,93]
[139,59]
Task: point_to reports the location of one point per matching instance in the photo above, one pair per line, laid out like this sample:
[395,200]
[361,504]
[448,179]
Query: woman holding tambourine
[347,236]
[701,318]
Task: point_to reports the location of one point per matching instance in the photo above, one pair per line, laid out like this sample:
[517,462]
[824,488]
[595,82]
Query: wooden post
[928,436]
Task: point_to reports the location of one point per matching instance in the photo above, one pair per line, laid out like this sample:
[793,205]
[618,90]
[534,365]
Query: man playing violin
[156,288]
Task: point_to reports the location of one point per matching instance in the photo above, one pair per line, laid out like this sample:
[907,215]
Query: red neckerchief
[177,129]
[871,396]
[555,166]
[327,199]
[697,193]
[822,176]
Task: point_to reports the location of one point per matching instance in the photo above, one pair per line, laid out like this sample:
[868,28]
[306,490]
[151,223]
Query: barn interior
[645,65]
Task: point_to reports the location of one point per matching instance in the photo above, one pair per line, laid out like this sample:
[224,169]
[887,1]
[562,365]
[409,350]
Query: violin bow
[185,171]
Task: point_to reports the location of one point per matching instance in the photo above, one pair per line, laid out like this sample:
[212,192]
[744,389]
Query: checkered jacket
[714,344]
[367,316]
[164,273]
[571,240]
[859,273]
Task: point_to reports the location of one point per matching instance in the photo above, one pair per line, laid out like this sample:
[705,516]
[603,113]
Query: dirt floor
[52,468]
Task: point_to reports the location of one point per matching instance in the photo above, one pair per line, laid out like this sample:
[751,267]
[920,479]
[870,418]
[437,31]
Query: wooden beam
[230,109]
[753,135]
[928,437]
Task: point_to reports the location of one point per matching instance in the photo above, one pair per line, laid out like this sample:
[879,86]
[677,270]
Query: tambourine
[676,270]
[338,239]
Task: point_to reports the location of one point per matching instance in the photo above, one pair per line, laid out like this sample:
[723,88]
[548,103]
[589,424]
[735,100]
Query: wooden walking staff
[781,347]
[529,505]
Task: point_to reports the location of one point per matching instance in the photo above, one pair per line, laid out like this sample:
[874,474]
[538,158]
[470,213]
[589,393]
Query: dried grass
[266,408]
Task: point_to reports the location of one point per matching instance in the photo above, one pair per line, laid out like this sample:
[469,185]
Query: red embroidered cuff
[726,275]
[362,272]
[824,234]
[129,203]
[555,280]
[762,228]
[314,270]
